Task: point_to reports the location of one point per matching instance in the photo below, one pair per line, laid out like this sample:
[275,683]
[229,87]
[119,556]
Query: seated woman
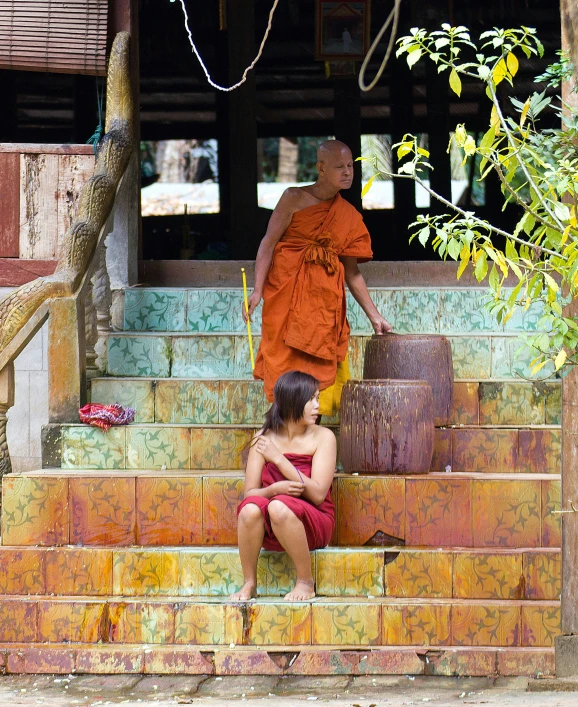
[287,504]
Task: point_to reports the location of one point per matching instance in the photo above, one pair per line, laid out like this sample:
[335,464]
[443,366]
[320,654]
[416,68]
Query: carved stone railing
[74,299]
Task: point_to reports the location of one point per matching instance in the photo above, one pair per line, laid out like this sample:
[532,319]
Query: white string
[251,65]
[393,15]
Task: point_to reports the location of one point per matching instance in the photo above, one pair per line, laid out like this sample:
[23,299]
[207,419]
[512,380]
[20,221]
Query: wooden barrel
[387,427]
[415,357]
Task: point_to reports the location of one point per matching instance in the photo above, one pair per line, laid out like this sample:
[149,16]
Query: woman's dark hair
[292,391]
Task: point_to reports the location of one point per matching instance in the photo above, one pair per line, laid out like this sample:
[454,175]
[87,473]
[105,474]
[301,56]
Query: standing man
[310,251]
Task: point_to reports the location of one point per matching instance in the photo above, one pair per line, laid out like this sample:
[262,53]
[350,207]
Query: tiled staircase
[122,559]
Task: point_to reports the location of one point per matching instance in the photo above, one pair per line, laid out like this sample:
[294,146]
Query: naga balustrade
[76,299]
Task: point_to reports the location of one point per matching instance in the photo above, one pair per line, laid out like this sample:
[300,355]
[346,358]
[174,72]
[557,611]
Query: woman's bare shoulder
[323,435]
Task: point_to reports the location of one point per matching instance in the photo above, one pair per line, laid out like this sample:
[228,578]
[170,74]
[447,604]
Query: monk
[311,249]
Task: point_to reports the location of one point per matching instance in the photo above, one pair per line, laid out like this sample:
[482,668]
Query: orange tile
[141,622]
[221,496]
[416,624]
[351,623]
[21,571]
[540,624]
[138,573]
[209,624]
[279,624]
[466,404]
[79,571]
[70,621]
[18,621]
[506,513]
[551,522]
[102,511]
[420,573]
[442,454]
[218,448]
[484,450]
[438,512]
[540,451]
[486,624]
[34,510]
[371,510]
[542,575]
[484,575]
[169,511]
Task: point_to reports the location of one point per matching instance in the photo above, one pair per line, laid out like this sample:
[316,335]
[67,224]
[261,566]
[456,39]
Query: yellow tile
[346,624]
[208,624]
[140,573]
[488,576]
[349,573]
[416,624]
[418,574]
[486,624]
[279,624]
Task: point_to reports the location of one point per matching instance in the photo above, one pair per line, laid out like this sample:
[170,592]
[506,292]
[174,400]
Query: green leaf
[424,235]
[367,186]
[552,284]
[511,251]
[494,279]
[413,57]
[454,249]
[481,269]
[455,82]
[484,72]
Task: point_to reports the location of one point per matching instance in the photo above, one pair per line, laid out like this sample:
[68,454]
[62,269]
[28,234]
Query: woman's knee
[250,514]
[279,512]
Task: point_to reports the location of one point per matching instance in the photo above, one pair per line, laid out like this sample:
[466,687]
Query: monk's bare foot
[248,591]
[302,591]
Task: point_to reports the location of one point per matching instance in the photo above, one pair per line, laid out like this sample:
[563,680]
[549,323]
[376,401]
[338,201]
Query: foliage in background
[537,169]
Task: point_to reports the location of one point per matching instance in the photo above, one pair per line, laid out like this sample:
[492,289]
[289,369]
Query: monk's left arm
[358,288]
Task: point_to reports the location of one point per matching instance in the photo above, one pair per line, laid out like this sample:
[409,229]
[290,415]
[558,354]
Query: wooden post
[347,127]
[6,402]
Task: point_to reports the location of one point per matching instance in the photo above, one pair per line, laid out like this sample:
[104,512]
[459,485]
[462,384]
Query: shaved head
[331,149]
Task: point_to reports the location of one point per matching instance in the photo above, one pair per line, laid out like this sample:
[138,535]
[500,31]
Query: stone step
[156,659]
[243,402]
[60,507]
[327,622]
[449,310]
[215,447]
[490,356]
[400,572]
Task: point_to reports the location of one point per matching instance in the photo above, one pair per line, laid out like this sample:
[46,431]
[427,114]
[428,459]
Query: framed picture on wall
[342,30]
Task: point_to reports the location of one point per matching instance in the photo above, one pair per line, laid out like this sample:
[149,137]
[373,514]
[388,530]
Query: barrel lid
[389,381]
[410,337]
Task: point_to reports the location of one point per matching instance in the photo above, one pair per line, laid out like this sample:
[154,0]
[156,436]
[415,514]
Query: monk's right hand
[290,488]
[254,300]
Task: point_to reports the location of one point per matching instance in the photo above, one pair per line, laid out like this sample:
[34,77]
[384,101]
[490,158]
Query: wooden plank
[15,272]
[73,173]
[38,206]
[9,205]
[31,148]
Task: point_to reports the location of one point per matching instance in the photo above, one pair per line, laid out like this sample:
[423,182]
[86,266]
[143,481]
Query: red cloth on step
[105,416]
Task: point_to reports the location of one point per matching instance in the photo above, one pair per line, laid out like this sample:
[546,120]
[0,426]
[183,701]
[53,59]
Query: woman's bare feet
[302,591]
[248,591]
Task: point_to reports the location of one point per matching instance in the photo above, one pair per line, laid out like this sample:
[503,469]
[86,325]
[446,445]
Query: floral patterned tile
[525,319]
[419,573]
[506,513]
[480,624]
[352,623]
[542,575]
[511,357]
[18,621]
[276,573]
[345,573]
[438,513]
[471,357]
[214,448]
[102,511]
[551,522]
[169,510]
[466,404]
[484,450]
[203,357]
[512,404]
[415,311]
[158,448]
[371,511]
[243,367]
[21,571]
[34,511]
[141,622]
[70,621]
[208,624]
[553,403]
[87,447]
[356,356]
[134,355]
[221,496]
[210,572]
[139,572]
[283,624]
[181,402]
[442,454]
[242,402]
[416,624]
[540,624]
[358,322]
[136,394]
[154,310]
[464,311]
[219,311]
[79,571]
[540,451]
[488,576]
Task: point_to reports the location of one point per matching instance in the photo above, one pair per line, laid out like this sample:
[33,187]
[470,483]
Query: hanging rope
[251,65]
[96,137]
[393,16]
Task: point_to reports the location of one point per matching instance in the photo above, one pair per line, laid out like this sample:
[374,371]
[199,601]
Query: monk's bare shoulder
[294,199]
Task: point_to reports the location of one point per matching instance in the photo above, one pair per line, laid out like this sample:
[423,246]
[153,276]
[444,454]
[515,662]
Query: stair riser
[227,356]
[213,448]
[356,623]
[446,311]
[529,575]
[436,511]
[202,402]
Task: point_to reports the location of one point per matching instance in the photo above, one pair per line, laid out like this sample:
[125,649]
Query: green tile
[243,356]
[512,404]
[344,572]
[356,317]
[511,358]
[242,403]
[139,356]
[553,403]
[203,357]
[129,393]
[158,447]
[86,447]
[154,310]
[219,311]
[409,311]
[471,357]
[210,572]
[525,319]
[194,402]
[464,311]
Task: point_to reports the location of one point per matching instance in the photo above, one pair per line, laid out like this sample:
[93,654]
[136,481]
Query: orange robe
[304,321]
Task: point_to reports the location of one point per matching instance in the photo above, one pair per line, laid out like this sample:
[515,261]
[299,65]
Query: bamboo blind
[66,36]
